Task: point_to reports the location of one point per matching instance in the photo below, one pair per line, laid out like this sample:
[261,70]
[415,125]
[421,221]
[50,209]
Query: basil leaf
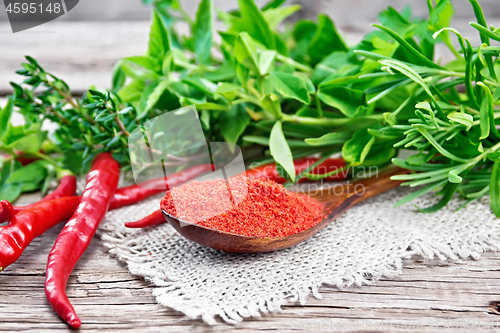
[291,86]
[143,61]
[266,59]
[245,52]
[32,173]
[329,139]
[234,122]
[132,92]
[142,105]
[5,115]
[31,143]
[346,100]
[159,41]
[202,31]
[280,150]
[252,21]
[201,84]
[326,40]
[357,148]
[271,103]
[275,16]
[155,95]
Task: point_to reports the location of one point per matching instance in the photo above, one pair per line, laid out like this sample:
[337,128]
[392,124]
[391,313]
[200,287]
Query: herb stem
[294,63]
[330,121]
[318,105]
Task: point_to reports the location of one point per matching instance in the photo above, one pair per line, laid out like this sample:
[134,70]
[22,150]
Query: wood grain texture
[71,50]
[107,297]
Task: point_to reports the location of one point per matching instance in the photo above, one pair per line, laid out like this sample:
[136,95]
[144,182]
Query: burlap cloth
[368,242]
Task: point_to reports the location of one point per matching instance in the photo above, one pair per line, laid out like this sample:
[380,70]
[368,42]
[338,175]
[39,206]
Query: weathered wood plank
[107,297]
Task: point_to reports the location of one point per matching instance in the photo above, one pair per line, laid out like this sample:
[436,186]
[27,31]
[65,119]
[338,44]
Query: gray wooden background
[83,45]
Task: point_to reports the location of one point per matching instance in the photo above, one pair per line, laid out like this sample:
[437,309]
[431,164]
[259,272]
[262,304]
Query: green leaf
[330,139]
[412,74]
[273,4]
[345,99]
[487,114]
[420,192]
[325,40]
[423,60]
[5,115]
[155,95]
[211,106]
[253,22]
[280,150]
[202,31]
[449,189]
[291,86]
[228,90]
[159,41]
[30,143]
[234,122]
[204,85]
[143,61]
[357,148]
[485,34]
[205,119]
[10,191]
[275,16]
[495,189]
[484,31]
[118,77]
[32,173]
[484,113]
[264,141]
[271,103]
[266,60]
[245,52]
[461,118]
[496,95]
[132,92]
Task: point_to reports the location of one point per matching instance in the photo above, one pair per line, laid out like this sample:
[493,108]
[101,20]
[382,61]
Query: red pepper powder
[264,208]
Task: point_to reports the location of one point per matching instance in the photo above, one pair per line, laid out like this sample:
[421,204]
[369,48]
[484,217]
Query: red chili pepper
[123,196]
[76,235]
[6,211]
[148,221]
[31,223]
[132,194]
[269,171]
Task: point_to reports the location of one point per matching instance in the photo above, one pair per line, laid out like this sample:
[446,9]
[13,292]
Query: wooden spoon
[335,200]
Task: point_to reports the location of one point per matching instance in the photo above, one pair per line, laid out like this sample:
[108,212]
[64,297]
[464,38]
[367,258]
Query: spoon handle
[338,199]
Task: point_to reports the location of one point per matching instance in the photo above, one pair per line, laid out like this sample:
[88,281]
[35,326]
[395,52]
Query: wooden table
[107,297]
[427,297]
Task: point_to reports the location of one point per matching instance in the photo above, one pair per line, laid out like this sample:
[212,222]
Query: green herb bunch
[282,91]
